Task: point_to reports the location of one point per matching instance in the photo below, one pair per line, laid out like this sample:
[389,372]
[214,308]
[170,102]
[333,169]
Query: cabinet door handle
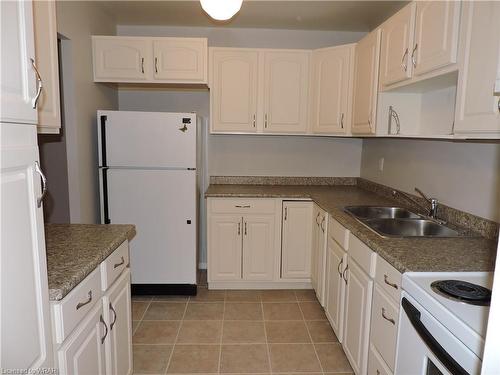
[265,120]
[39,84]
[142,65]
[156,64]
[342,121]
[242,206]
[413,58]
[286,213]
[404,65]
[498,104]
[81,304]
[239,229]
[323,222]
[317,222]
[344,274]
[116,265]
[114,316]
[106,327]
[386,280]
[245,228]
[389,319]
[44,184]
[254,120]
[340,266]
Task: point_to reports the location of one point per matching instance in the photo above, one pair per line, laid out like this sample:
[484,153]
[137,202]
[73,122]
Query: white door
[122,59]
[436,35]
[366,84]
[258,247]
[18,82]
[225,247]
[233,90]
[321,256]
[26,340]
[357,317]
[335,287]
[83,353]
[117,311]
[331,89]
[397,46]
[477,109]
[296,240]
[180,59]
[286,77]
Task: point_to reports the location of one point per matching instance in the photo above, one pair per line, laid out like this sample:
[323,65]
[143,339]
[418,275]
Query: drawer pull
[81,304]
[386,280]
[387,318]
[317,222]
[339,267]
[119,264]
[344,274]
[114,316]
[242,206]
[321,225]
[106,327]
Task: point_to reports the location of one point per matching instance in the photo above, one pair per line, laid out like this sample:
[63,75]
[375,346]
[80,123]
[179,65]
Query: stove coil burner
[463,291]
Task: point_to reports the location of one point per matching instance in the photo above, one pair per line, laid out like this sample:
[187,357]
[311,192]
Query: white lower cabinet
[258,247]
[318,272]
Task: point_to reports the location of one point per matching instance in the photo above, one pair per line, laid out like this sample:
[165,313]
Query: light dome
[221,10]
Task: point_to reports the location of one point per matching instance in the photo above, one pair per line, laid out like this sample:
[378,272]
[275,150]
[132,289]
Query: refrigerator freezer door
[147,139]
[162,206]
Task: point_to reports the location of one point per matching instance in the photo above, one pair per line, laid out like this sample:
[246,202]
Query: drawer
[385,320]
[338,233]
[113,265]
[242,206]
[74,307]
[389,279]
[376,365]
[362,254]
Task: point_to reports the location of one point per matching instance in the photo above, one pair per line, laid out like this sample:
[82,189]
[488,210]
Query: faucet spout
[432,211]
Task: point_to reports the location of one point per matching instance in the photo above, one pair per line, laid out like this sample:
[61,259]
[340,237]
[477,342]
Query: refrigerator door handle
[105,205]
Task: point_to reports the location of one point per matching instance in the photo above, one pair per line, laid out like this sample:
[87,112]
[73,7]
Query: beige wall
[76,22]
[465,175]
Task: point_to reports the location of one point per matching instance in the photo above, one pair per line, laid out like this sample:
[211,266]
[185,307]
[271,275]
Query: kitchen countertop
[75,250]
[459,254]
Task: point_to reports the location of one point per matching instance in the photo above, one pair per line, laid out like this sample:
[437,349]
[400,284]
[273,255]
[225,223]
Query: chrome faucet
[433,202]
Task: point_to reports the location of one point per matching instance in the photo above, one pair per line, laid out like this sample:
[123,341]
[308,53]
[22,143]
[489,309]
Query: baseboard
[164,289]
[202,266]
[259,285]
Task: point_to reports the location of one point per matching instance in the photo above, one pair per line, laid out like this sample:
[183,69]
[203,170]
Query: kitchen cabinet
[296,240]
[318,267]
[366,72]
[332,72]
[19,85]
[477,108]
[47,62]
[258,247]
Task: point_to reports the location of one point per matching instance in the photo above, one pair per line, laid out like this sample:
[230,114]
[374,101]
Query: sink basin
[372,212]
[410,228]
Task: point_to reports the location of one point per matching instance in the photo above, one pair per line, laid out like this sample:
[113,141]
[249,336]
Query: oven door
[426,347]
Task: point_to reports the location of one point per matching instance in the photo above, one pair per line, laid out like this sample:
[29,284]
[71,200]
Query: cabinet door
[335,287]
[83,352]
[357,317]
[397,44]
[478,110]
[25,321]
[180,60]
[286,77]
[366,84]
[331,90]
[233,90]
[315,246]
[436,35]
[17,86]
[321,258]
[44,18]
[296,240]
[117,310]
[224,247]
[122,59]
[258,247]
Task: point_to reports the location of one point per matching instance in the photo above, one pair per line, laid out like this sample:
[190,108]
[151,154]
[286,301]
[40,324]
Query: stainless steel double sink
[399,222]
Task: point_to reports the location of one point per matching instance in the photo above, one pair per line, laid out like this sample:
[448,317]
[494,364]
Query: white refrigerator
[148,177]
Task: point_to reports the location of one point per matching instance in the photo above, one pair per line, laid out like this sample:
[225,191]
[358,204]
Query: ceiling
[283,14]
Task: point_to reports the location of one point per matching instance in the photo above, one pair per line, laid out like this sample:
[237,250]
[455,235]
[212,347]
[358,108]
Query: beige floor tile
[170,298]
[243,311]
[278,296]
[204,311]
[141,298]
[243,332]
[135,324]
[151,359]
[194,359]
[287,332]
[200,332]
[321,331]
[332,357]
[165,311]
[293,358]
[138,309]
[243,295]
[205,294]
[305,295]
[244,359]
[282,311]
[156,332]
[312,311]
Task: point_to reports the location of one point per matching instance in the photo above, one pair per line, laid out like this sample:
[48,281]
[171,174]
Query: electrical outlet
[381,164]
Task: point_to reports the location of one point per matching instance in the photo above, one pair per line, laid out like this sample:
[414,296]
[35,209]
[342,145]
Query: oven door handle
[441,354]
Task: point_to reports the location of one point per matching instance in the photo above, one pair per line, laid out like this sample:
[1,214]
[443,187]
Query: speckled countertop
[405,254]
[75,250]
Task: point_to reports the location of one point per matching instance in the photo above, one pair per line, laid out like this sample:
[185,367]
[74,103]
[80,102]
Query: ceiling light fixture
[221,10]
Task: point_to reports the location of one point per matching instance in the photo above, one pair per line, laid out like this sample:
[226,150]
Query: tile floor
[235,332]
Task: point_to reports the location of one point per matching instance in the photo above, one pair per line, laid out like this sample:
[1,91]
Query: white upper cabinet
[366,71]
[286,80]
[182,60]
[233,90]
[397,44]
[19,84]
[478,109]
[332,74]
